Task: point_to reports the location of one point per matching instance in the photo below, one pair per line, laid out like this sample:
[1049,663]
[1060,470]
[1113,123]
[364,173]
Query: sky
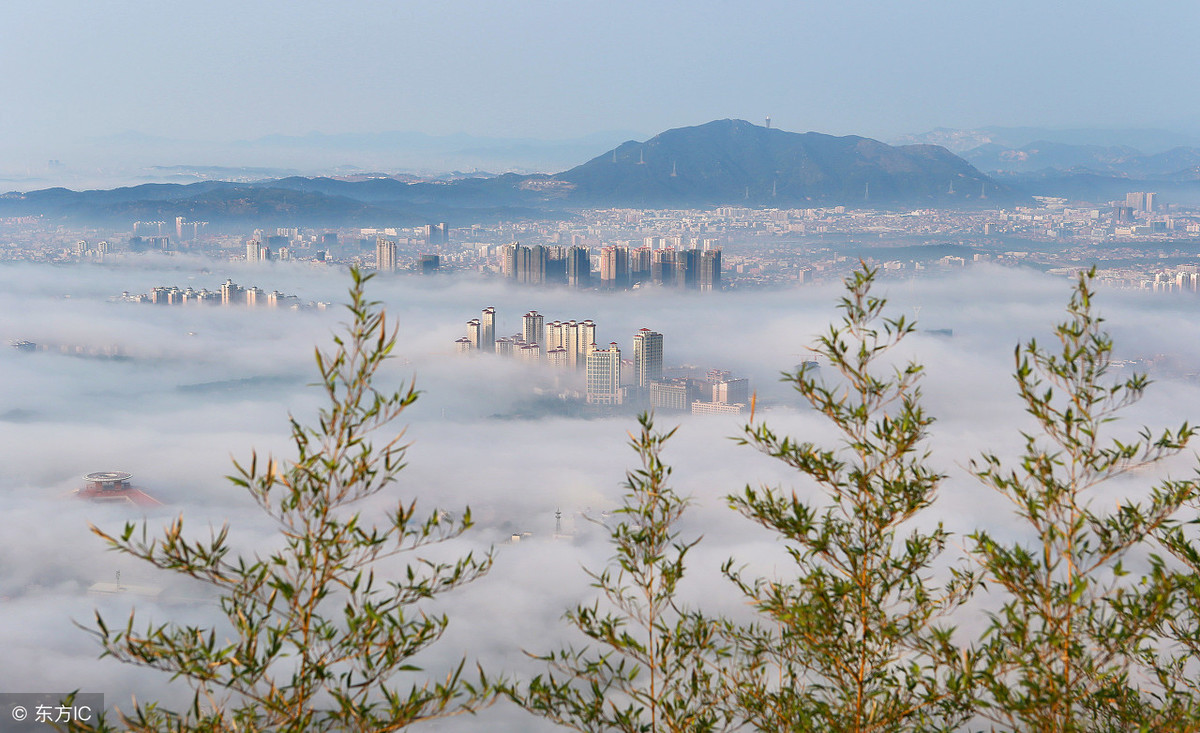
[224,70]
[207,385]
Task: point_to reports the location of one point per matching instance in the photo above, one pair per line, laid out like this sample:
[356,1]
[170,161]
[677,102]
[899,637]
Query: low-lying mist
[189,388]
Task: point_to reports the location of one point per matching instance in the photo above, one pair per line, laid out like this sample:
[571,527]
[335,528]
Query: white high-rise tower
[487,332]
[647,357]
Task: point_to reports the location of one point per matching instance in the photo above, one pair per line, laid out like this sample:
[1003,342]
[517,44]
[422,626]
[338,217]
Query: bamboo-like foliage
[651,667]
[856,641]
[1074,646]
[315,639]
[1178,670]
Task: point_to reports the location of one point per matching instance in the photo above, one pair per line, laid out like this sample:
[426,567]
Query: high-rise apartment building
[647,357]
[576,337]
[687,268]
[532,267]
[437,234]
[579,268]
[662,267]
[614,268]
[524,264]
[475,333]
[1141,200]
[508,260]
[670,395]
[534,328]
[585,341]
[428,264]
[385,255]
[255,296]
[709,277]
[253,251]
[487,332]
[639,265]
[232,293]
[731,391]
[555,335]
[604,376]
[556,265]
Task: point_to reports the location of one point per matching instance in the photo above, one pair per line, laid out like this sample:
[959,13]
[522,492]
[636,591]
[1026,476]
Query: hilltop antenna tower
[558,521]
[642,156]
[768,122]
[867,192]
[674,171]
[951,191]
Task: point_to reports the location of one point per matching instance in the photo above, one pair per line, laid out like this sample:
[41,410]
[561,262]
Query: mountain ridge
[723,162]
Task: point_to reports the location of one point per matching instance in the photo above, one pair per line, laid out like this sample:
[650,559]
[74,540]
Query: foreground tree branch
[1074,647]
[858,640]
[313,639]
[652,667]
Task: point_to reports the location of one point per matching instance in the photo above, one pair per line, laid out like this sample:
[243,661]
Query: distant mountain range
[1094,165]
[733,161]
[1116,160]
[960,141]
[723,162]
[1171,156]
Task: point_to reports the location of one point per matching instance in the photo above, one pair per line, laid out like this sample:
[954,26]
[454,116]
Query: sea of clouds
[203,385]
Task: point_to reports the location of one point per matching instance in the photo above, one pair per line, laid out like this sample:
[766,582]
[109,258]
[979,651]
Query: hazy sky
[553,69]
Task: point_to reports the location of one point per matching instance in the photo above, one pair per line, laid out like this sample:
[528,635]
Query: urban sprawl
[1139,242]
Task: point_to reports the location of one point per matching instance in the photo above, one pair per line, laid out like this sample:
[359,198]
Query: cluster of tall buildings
[256,251]
[690,269]
[1141,200]
[284,243]
[560,344]
[437,234]
[571,345]
[85,249]
[385,255]
[230,293]
[182,228]
[540,264]
[620,267]
[386,261]
[1135,202]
